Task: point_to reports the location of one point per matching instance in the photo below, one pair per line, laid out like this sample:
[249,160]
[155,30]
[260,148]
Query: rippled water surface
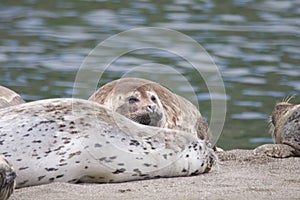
[255,44]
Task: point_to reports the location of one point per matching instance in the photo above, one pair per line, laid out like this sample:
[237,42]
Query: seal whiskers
[7,179]
[285,129]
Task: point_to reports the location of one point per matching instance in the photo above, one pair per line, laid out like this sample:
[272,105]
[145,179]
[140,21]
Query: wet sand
[239,174]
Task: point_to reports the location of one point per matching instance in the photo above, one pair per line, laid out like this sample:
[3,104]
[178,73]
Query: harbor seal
[7,179]
[9,97]
[285,129]
[74,140]
[149,103]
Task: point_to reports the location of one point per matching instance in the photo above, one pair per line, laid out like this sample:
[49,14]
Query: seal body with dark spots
[72,140]
[286,132]
[9,97]
[7,179]
[136,97]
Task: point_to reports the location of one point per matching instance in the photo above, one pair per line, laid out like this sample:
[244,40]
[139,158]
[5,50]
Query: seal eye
[133,99]
[153,98]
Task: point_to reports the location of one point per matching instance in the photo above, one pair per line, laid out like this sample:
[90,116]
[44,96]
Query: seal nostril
[151,108]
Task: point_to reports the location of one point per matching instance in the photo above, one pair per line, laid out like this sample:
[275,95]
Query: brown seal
[285,126]
[9,97]
[7,179]
[149,103]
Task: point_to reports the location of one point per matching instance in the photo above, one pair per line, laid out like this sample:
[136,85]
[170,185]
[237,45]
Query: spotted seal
[74,140]
[9,97]
[150,103]
[7,173]
[7,179]
[285,127]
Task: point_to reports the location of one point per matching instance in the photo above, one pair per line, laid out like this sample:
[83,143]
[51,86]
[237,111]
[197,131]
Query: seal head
[7,179]
[149,103]
[285,128]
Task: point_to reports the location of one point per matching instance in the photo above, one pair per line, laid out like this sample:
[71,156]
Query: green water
[255,44]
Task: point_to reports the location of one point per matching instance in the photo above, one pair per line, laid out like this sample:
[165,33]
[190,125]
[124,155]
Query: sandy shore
[239,175]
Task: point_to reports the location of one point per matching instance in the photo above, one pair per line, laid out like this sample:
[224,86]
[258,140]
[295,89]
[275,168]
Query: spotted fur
[174,111]
[72,140]
[285,127]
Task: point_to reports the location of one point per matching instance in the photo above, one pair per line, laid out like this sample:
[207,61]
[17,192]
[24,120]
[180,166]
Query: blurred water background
[254,43]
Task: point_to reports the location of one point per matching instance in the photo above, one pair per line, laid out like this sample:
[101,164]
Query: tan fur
[285,128]
[7,179]
[178,113]
[9,97]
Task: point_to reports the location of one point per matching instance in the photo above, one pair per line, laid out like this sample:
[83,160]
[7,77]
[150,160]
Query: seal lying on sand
[7,174]
[9,97]
[7,179]
[73,140]
[149,103]
[286,132]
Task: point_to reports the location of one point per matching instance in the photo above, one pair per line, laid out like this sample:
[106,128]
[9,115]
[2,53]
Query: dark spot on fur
[74,132]
[118,171]
[40,178]
[59,176]
[74,154]
[195,173]
[51,169]
[23,168]
[134,143]
[97,145]
[103,158]
[24,182]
